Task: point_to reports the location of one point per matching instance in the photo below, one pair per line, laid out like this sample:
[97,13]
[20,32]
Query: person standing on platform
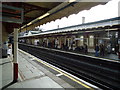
[85,48]
[102,50]
[73,45]
[56,43]
[116,49]
[9,51]
[11,41]
[96,50]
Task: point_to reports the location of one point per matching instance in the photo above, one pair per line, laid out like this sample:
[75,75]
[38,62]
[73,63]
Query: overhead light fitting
[22,27]
[71,1]
[36,19]
[29,23]
[41,17]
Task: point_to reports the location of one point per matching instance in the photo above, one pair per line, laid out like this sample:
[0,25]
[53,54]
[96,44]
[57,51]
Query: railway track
[102,73]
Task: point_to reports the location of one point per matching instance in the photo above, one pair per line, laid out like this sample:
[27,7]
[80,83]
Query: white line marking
[85,82]
[60,74]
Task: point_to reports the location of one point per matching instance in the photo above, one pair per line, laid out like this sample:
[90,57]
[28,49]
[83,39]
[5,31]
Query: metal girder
[11,19]
[33,7]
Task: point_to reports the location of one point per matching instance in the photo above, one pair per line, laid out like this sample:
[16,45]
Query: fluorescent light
[111,29]
[43,15]
[22,27]
[36,19]
[29,23]
[71,0]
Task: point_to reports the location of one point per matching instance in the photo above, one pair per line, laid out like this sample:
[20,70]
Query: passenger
[73,45]
[49,45]
[66,46]
[116,49]
[53,44]
[77,49]
[38,43]
[81,49]
[56,43]
[62,46]
[85,49]
[109,48]
[9,51]
[11,41]
[96,50]
[70,47]
[43,44]
[35,42]
[102,50]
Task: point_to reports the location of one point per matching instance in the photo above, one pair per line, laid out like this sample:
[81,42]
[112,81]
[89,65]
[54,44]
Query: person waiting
[96,50]
[9,51]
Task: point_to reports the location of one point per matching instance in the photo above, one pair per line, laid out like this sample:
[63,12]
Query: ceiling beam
[30,7]
[27,11]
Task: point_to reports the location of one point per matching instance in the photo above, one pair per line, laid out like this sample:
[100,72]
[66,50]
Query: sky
[99,12]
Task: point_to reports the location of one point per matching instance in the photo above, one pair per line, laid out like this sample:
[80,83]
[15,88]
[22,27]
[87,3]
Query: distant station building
[99,32]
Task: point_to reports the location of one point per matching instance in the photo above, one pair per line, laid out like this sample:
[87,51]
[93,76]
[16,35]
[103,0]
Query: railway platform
[35,73]
[101,72]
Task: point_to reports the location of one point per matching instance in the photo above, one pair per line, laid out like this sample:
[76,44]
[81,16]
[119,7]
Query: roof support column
[15,59]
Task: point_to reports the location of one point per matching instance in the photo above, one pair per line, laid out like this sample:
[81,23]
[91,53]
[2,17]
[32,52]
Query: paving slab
[34,77]
[31,75]
[6,72]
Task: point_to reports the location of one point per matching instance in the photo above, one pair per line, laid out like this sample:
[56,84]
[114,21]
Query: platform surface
[32,74]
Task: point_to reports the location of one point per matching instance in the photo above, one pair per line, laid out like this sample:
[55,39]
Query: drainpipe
[15,59]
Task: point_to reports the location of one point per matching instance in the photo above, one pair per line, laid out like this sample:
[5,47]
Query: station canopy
[38,13]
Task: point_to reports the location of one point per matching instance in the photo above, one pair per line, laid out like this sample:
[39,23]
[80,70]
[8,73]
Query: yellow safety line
[60,72]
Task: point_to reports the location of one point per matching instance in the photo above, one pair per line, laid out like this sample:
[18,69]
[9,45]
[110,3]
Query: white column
[15,59]
[15,46]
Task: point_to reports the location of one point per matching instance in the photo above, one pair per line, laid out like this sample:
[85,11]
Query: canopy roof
[38,13]
[107,24]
